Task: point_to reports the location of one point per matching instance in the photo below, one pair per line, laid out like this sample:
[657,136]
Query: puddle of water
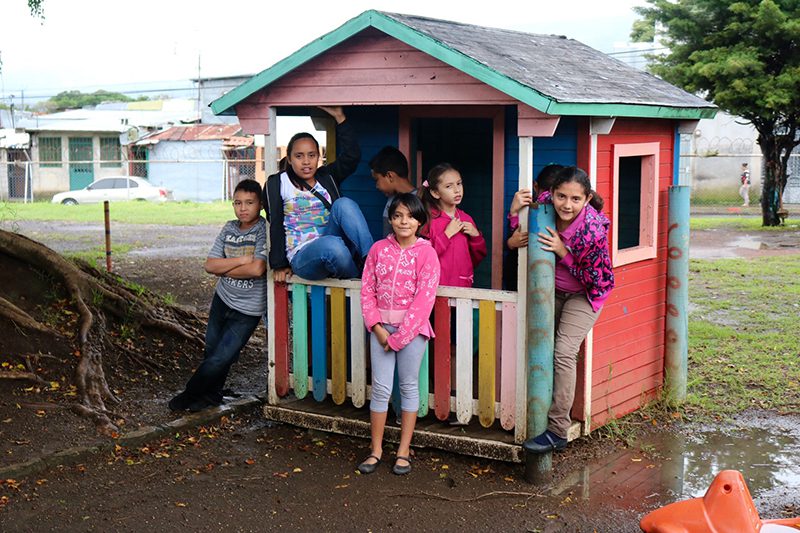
[746,241]
[671,467]
[198,250]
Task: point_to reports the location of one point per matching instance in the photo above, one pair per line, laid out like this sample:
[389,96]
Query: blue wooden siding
[561,148]
[376,127]
[199,181]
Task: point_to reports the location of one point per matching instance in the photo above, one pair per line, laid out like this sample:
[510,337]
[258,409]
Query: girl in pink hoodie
[452,232]
[398,289]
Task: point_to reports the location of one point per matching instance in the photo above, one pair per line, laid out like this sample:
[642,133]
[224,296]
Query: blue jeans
[227,332]
[346,239]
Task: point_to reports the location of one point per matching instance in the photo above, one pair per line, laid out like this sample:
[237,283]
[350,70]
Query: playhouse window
[635,202]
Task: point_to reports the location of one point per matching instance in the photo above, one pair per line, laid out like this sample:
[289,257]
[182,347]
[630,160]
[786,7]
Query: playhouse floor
[474,439]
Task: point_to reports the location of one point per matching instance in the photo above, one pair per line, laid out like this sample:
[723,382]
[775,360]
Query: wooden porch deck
[475,440]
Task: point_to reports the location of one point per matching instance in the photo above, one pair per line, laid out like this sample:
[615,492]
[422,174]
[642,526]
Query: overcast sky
[110,44]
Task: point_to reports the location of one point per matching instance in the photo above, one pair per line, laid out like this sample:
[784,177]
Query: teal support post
[540,304]
[677,336]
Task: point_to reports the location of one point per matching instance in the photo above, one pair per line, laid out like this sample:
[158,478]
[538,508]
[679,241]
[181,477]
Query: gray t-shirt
[248,296]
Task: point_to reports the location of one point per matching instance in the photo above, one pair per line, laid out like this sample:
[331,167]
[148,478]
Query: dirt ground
[246,474]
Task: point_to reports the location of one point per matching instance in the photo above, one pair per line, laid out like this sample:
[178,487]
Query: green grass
[729,196]
[740,224]
[744,347]
[170,213]
[97,256]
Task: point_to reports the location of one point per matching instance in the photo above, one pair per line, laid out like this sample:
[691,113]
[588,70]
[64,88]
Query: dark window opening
[630,202]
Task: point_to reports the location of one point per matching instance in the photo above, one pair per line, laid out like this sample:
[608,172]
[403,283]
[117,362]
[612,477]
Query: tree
[76,100]
[745,57]
[37,8]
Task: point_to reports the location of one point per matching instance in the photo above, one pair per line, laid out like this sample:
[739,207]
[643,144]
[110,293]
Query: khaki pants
[574,317]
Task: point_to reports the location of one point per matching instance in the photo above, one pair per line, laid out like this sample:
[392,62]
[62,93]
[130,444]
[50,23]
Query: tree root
[22,319]
[423,494]
[84,285]
[30,376]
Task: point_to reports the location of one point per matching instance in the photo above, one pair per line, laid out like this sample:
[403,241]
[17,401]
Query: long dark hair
[434,175]
[579,176]
[414,206]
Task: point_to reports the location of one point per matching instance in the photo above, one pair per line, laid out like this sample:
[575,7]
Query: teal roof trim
[456,59]
[224,105]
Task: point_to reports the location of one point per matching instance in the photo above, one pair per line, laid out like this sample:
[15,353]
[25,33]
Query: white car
[117,188]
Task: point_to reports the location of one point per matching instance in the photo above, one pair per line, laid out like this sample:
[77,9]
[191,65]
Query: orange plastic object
[727,507]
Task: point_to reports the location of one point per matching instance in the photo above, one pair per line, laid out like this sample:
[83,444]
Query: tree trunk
[770,193]
[775,149]
[96,295]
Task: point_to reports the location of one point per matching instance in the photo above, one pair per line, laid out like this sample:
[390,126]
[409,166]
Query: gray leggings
[408,361]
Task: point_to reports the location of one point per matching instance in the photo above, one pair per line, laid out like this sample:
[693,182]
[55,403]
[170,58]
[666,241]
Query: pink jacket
[458,255]
[398,288]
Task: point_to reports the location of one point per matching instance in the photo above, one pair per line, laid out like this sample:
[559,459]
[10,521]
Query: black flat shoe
[399,469]
[544,443]
[180,402]
[368,468]
[202,403]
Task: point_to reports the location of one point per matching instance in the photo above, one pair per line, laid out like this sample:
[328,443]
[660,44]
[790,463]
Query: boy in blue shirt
[239,258]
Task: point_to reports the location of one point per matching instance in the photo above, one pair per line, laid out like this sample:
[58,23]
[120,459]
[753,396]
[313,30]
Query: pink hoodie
[460,254]
[398,288]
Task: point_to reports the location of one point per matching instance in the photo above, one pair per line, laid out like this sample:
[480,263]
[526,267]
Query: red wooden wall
[628,356]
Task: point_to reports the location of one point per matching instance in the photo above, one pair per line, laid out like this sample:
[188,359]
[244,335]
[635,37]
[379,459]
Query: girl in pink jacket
[452,232]
[398,289]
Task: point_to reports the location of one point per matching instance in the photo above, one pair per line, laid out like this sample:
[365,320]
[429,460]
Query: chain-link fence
[717,180]
[197,180]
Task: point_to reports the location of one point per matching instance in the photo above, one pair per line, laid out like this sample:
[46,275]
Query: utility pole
[199,91]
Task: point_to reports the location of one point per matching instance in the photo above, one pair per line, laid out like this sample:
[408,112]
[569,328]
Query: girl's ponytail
[597,201]
[579,176]
[434,174]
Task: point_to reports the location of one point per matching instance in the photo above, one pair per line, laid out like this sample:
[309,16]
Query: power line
[637,51]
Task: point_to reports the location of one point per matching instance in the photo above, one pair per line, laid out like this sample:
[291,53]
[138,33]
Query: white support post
[272,394]
[597,126]
[271,167]
[525,182]
[271,143]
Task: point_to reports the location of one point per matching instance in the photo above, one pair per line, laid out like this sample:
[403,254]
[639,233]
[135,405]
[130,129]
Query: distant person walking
[744,188]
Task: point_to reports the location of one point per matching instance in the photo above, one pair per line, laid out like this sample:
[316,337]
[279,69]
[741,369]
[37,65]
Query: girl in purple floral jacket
[584,280]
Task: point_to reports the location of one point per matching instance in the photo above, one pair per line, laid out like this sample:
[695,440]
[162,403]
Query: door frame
[497,115]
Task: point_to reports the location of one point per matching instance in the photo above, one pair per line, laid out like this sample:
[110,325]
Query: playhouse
[499,105]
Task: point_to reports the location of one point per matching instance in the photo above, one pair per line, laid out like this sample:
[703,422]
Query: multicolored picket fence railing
[319,346]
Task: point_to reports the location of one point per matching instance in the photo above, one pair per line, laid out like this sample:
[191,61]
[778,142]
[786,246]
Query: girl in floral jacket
[398,289]
[584,280]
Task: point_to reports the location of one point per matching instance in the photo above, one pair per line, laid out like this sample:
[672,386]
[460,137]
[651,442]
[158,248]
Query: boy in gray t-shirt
[239,258]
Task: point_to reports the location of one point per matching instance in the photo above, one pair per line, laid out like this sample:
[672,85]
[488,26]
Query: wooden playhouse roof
[551,73]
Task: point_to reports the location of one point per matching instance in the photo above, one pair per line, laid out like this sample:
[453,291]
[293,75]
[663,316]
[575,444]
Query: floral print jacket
[587,258]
